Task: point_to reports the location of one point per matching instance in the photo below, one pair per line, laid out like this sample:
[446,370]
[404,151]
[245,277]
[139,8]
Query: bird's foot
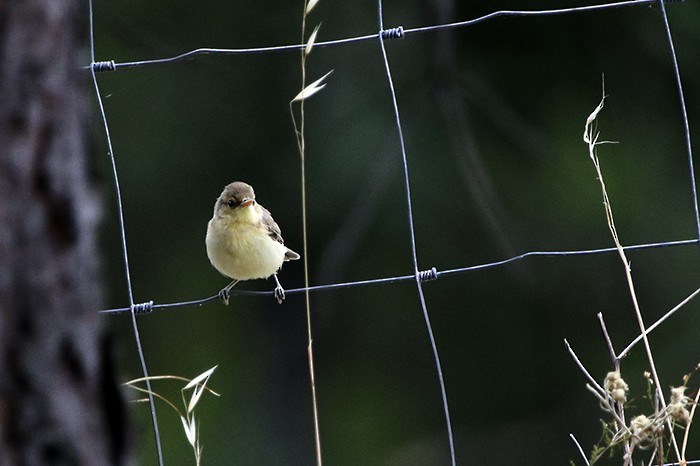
[225,293]
[224,296]
[279,291]
[279,294]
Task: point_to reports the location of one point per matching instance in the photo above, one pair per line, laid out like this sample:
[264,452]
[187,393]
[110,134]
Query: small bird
[243,241]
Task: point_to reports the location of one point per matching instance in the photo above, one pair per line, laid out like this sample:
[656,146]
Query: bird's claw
[279,294]
[225,293]
[224,296]
[279,291]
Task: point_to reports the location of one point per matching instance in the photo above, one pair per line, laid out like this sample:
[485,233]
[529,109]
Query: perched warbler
[243,241]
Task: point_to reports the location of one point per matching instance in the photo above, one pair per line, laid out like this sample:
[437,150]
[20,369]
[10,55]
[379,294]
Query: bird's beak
[246,202]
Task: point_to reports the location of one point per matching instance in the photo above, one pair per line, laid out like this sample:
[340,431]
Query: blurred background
[493,118]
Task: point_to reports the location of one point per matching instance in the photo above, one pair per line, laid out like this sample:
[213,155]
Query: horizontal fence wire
[428,275]
[393,33]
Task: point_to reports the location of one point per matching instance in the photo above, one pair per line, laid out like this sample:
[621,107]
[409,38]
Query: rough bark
[58,402]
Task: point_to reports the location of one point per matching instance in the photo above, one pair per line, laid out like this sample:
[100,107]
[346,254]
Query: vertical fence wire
[414,254]
[684,113]
[122,232]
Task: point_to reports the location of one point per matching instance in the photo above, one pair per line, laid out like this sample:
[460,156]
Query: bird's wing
[276,234]
[271,226]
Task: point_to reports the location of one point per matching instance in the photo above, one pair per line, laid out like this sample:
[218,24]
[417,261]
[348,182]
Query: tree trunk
[58,401]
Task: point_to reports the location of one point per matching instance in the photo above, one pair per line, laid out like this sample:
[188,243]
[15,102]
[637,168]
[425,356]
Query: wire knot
[101,66]
[142,308]
[428,275]
[393,33]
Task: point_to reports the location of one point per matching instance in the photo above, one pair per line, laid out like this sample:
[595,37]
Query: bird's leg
[224,294]
[279,291]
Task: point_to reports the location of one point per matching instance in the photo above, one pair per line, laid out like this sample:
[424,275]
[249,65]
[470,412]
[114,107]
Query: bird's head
[234,198]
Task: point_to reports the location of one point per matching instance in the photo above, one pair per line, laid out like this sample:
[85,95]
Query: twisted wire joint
[101,66]
[428,275]
[143,308]
[393,33]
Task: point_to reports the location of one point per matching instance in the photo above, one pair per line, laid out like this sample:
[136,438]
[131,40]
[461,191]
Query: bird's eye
[231,203]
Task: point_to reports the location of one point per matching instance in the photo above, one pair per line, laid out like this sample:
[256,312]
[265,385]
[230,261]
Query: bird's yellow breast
[239,246]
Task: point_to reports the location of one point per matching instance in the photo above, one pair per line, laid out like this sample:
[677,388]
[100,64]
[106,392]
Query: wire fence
[418,276]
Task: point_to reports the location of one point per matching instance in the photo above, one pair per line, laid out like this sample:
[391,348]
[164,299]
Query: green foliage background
[509,96]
